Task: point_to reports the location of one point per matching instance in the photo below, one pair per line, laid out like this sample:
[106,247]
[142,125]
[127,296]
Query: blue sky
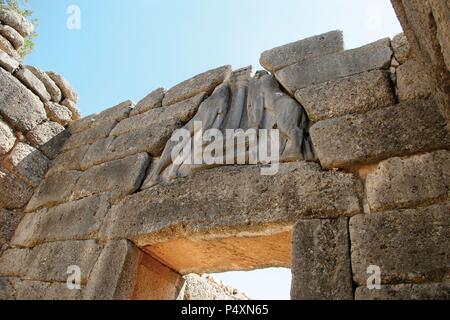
[125,49]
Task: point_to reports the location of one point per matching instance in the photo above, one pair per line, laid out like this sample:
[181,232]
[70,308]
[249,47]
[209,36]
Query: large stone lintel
[213,207]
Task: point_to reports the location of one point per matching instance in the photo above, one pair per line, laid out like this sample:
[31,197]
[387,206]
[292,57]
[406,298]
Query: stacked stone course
[33,123]
[368,185]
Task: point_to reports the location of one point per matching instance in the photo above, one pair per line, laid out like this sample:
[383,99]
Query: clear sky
[125,49]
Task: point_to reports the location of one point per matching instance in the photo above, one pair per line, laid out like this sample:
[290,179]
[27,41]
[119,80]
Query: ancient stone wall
[363,183]
[427,27]
[35,109]
[205,287]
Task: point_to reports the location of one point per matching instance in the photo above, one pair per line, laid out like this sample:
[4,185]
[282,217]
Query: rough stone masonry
[364,179]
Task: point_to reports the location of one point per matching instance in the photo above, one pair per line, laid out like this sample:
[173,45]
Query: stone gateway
[362,183]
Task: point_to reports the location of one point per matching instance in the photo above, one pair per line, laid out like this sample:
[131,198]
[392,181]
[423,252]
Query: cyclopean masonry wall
[34,113]
[363,184]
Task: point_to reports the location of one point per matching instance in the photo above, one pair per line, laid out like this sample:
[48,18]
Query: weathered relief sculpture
[239,83]
[270,108]
[211,115]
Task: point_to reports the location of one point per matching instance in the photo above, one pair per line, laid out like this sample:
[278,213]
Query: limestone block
[12,36]
[182,111]
[441,10]
[77,220]
[16,21]
[152,101]
[28,230]
[19,105]
[429,291]
[317,70]
[58,113]
[120,177]
[54,190]
[49,137]
[321,268]
[8,63]
[28,162]
[15,262]
[123,272]
[8,288]
[69,104]
[50,85]
[405,183]
[91,135]
[115,273]
[15,192]
[151,139]
[425,24]
[7,138]
[403,129]
[118,112]
[7,47]
[9,220]
[33,83]
[409,246]
[401,48]
[211,202]
[164,283]
[281,57]
[111,115]
[46,291]
[414,81]
[101,152]
[84,123]
[50,260]
[355,94]
[205,82]
[67,91]
[67,161]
